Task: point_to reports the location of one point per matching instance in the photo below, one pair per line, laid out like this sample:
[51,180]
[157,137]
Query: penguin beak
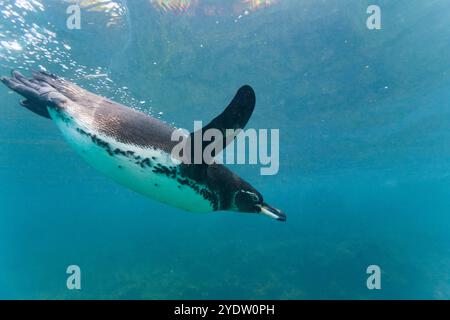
[271,212]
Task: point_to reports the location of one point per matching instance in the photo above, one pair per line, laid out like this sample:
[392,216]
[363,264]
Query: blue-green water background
[364,119]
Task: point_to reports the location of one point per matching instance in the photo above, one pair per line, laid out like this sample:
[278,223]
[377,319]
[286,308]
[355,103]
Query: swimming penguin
[134,149]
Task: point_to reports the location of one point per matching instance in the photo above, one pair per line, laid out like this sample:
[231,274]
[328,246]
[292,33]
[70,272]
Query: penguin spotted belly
[149,171]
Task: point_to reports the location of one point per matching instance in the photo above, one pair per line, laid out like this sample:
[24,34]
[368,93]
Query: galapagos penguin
[134,149]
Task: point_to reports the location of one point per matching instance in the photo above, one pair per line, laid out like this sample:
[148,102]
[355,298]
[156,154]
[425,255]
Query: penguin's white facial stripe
[254,196]
[255,199]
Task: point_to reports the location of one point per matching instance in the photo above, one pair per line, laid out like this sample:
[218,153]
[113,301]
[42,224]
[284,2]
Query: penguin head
[248,199]
[238,194]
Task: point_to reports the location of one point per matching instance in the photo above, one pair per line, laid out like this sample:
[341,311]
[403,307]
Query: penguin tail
[38,92]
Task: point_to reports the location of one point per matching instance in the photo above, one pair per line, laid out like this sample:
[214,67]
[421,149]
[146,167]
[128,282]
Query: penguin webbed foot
[35,92]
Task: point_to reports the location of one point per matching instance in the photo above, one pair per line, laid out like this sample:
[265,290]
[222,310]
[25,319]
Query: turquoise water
[364,176]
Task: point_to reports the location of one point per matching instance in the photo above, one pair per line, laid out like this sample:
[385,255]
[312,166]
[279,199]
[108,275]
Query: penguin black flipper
[238,112]
[235,117]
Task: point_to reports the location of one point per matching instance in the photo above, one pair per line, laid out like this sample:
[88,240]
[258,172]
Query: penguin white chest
[149,171]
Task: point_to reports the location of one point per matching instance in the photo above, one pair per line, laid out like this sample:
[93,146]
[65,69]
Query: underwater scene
[354,96]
